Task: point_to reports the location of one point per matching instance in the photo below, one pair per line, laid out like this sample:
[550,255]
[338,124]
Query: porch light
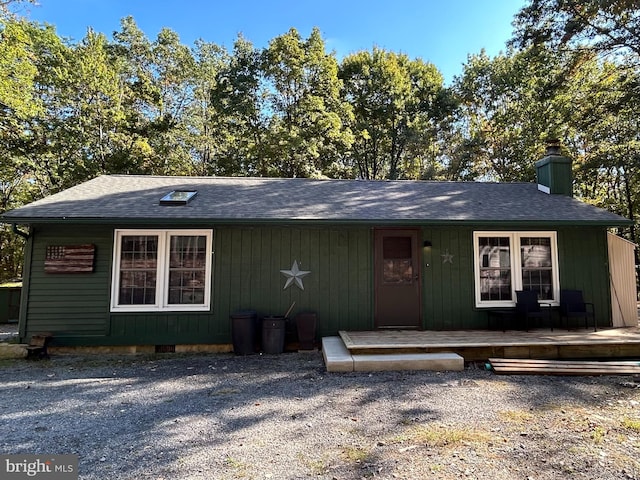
[426,245]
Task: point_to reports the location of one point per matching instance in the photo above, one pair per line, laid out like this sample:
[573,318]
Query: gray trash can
[243,331]
[273,333]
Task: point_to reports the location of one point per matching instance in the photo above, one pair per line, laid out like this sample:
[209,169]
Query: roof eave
[309,221]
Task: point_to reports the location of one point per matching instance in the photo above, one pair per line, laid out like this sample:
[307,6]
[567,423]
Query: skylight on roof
[178,197]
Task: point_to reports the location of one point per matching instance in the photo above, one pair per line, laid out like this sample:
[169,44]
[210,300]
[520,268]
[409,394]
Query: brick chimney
[554,171]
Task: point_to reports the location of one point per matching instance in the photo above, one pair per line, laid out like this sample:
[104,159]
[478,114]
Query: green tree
[131,50]
[602,26]
[603,92]
[10,8]
[398,105]
[78,132]
[510,105]
[174,67]
[38,145]
[158,78]
[18,102]
[239,100]
[606,144]
[201,116]
[93,124]
[308,130]
[17,71]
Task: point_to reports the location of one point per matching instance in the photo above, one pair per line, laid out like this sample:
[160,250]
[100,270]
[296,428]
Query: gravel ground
[8,330]
[285,417]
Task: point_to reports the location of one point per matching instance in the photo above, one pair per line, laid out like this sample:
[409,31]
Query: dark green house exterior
[108,263]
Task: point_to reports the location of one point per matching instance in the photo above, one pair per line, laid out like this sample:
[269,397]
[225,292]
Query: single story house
[151,260]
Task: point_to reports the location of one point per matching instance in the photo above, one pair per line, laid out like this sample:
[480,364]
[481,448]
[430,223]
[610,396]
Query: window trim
[162,271]
[516,266]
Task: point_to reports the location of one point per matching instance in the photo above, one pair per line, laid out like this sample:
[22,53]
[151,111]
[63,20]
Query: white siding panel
[623,282]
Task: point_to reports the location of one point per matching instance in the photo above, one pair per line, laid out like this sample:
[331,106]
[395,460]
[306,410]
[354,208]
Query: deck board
[482,344]
[562,367]
[394,339]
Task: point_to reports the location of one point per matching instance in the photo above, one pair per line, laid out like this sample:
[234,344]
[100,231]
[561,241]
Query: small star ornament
[294,276]
[447,257]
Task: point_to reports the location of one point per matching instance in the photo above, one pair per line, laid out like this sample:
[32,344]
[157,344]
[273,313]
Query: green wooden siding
[449,294]
[449,291]
[584,266]
[247,266]
[246,275]
[162,328]
[69,304]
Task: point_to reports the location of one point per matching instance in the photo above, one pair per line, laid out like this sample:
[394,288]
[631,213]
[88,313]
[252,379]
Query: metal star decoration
[295,275]
[447,257]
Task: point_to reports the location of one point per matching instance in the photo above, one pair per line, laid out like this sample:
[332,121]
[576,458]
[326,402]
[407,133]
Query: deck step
[514,366]
[338,359]
[438,362]
[336,356]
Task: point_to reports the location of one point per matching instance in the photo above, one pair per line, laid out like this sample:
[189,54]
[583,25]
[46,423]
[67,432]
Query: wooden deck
[480,345]
[520,366]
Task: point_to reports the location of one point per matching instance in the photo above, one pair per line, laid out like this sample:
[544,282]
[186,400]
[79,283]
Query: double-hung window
[155,270]
[505,262]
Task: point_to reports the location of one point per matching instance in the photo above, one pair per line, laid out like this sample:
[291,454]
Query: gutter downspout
[24,235]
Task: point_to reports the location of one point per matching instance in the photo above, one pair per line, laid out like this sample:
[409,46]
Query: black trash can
[306,325]
[273,333]
[243,331]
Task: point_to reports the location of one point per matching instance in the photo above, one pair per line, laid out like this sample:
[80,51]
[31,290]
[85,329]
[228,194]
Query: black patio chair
[528,307]
[572,305]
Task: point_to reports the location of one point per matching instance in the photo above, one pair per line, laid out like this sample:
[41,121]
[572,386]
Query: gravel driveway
[284,417]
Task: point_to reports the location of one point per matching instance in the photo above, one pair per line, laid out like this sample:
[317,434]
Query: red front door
[397,279]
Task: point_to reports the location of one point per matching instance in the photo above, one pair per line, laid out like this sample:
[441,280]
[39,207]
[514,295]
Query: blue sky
[443,32]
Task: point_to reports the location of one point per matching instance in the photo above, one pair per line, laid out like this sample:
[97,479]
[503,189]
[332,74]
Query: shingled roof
[136,199]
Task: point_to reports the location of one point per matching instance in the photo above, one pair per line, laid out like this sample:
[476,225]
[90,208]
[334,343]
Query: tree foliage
[398,104]
[307,129]
[70,111]
[601,91]
[11,8]
[606,143]
[510,105]
[603,26]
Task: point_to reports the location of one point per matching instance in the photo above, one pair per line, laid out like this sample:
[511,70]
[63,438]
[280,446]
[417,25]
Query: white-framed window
[155,270]
[505,262]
